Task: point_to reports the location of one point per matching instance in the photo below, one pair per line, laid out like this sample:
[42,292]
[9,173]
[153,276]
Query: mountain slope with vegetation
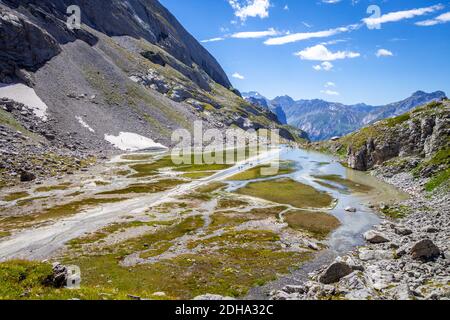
[416,142]
[131,68]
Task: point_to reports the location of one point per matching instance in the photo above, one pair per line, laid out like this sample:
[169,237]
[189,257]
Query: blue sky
[327,49]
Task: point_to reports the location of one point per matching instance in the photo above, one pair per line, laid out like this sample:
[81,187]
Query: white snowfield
[128,141]
[84,124]
[26,95]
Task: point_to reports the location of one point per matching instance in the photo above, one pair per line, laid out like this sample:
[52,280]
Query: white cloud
[321,53]
[330,92]
[212,40]
[330,84]
[238,76]
[250,8]
[286,7]
[401,15]
[332,42]
[331,1]
[325,66]
[384,53]
[308,35]
[306,24]
[255,34]
[443,18]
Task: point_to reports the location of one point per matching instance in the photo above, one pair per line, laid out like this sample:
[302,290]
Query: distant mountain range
[323,120]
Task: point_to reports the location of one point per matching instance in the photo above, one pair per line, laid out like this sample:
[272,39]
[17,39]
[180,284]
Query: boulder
[295,289]
[179,94]
[375,237]
[425,250]
[403,231]
[335,272]
[350,209]
[26,176]
[60,276]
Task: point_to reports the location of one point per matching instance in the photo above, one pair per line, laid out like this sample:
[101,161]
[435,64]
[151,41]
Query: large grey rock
[375,237]
[425,250]
[335,272]
[60,275]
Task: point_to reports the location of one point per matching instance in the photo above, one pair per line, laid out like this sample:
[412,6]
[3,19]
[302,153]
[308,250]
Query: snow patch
[128,141]
[84,124]
[26,95]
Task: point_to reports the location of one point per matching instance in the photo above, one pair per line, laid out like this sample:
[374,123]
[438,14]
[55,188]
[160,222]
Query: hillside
[324,120]
[127,79]
[417,142]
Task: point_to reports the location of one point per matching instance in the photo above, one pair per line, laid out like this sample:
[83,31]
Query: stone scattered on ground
[375,237]
[398,262]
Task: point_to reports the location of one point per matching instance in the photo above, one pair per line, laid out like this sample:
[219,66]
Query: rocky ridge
[324,120]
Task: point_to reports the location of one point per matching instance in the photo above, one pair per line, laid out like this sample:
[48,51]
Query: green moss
[441,158]
[25,280]
[197,175]
[151,169]
[288,191]
[63,186]
[15,196]
[238,238]
[229,272]
[55,212]
[211,187]
[392,122]
[122,172]
[137,157]
[319,224]
[345,183]
[398,212]
[110,91]
[8,120]
[153,187]
[256,173]
[438,180]
[25,202]
[111,229]
[231,203]
[227,221]
[358,139]
[4,234]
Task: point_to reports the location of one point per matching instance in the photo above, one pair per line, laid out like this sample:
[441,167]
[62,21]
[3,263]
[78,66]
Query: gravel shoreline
[404,259]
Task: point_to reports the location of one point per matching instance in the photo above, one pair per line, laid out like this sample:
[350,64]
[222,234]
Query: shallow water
[309,164]
[353,225]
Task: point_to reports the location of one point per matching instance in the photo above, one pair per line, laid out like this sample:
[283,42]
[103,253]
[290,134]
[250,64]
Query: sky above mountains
[347,51]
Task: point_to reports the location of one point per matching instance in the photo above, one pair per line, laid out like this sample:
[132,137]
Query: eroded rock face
[417,137]
[22,45]
[138,19]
